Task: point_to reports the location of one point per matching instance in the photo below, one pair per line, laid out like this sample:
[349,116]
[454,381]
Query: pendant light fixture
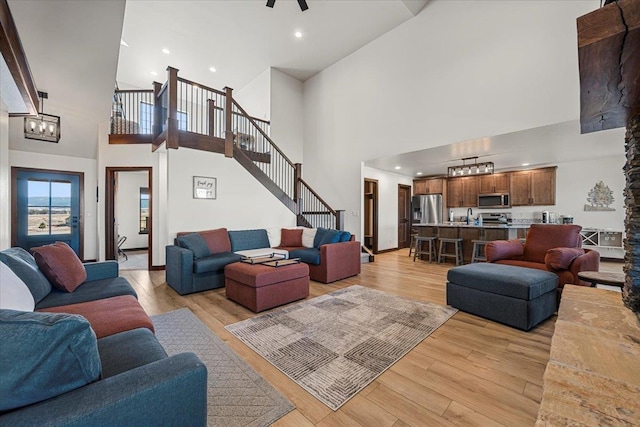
[43,127]
[475,168]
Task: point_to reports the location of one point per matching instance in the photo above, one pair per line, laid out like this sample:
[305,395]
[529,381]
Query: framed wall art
[204,187]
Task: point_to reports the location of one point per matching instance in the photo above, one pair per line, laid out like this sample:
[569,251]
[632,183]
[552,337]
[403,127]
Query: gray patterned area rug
[336,344]
[237,395]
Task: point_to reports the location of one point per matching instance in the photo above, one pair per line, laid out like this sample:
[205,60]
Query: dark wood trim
[135,249]
[157,268]
[14,202]
[90,260]
[158,141]
[302,181]
[257,157]
[198,141]
[387,250]
[200,86]
[130,138]
[13,54]
[258,174]
[172,111]
[228,133]
[407,237]
[374,237]
[109,213]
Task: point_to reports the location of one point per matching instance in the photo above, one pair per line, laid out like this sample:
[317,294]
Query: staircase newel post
[211,105]
[172,119]
[228,131]
[297,186]
[340,219]
[156,129]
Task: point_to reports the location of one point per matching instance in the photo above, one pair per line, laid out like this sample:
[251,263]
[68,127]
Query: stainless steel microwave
[497,200]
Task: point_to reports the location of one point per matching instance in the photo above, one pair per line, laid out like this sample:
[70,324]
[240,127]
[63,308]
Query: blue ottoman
[516,296]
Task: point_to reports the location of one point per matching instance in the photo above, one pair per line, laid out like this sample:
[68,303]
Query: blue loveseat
[55,372]
[196,260]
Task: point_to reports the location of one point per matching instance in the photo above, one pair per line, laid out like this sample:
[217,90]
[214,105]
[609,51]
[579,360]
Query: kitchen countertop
[465,225]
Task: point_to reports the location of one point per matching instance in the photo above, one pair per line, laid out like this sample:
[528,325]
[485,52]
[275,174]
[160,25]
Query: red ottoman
[260,287]
[110,315]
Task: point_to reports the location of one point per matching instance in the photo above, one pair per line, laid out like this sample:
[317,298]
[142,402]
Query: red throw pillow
[60,264]
[217,240]
[291,237]
[561,258]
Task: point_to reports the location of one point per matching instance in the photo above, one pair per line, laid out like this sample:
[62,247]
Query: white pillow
[275,236]
[308,234]
[14,294]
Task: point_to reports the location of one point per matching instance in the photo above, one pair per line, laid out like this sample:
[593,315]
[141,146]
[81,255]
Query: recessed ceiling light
[212,69]
[153,73]
[123,43]
[397,168]
[418,173]
[526,164]
[298,34]
[166,51]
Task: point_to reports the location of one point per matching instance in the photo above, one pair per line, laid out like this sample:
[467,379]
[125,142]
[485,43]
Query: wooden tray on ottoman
[259,287]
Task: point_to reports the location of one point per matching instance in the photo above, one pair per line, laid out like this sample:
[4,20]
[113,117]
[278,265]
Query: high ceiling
[241,39]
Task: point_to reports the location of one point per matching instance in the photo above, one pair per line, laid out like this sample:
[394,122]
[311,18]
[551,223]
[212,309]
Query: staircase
[182,113]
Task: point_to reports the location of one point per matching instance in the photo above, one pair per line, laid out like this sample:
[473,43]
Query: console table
[593,375]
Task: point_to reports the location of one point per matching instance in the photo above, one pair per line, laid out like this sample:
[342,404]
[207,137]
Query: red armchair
[555,248]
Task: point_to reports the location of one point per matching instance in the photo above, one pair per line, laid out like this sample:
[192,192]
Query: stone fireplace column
[631,290]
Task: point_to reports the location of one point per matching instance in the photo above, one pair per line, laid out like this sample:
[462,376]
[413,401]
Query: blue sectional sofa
[55,372]
[196,260]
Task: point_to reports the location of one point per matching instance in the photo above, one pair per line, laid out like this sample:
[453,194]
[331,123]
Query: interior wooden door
[404,216]
[371,214]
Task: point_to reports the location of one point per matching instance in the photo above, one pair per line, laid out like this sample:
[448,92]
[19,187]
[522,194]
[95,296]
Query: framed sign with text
[204,187]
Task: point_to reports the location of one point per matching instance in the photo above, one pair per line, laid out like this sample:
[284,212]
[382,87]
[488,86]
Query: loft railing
[249,136]
[132,112]
[315,211]
[210,119]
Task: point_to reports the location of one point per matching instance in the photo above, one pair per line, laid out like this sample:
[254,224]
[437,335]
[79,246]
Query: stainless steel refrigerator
[426,209]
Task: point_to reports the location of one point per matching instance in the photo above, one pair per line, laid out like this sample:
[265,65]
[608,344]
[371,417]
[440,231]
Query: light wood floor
[470,371]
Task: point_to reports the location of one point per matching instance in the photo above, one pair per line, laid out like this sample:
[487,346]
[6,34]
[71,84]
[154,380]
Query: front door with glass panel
[48,209]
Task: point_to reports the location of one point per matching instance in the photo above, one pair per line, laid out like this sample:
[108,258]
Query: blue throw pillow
[24,266]
[196,244]
[319,236]
[330,236]
[44,355]
[345,236]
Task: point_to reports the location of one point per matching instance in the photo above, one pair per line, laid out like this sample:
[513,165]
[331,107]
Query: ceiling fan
[302,3]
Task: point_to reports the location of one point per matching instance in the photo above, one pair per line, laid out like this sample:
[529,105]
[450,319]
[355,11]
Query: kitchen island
[470,232]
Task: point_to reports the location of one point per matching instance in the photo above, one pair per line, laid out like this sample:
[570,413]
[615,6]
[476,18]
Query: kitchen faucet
[469,213]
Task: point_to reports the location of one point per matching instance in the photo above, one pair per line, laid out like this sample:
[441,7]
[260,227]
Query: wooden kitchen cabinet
[462,192]
[494,183]
[428,186]
[536,187]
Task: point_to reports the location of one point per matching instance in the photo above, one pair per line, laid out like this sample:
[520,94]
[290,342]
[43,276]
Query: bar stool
[413,242]
[478,254]
[418,249]
[457,252]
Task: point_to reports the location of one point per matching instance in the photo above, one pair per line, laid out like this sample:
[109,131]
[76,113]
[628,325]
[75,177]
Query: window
[49,207]
[144,210]
[146,118]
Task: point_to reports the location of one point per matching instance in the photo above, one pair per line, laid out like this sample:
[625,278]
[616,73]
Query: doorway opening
[371,214]
[404,216]
[128,217]
[47,207]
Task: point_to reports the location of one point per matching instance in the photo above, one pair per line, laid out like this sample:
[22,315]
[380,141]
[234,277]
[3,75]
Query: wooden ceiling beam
[609,61]
[16,60]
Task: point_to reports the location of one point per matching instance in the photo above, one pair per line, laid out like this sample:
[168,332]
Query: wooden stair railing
[183,113]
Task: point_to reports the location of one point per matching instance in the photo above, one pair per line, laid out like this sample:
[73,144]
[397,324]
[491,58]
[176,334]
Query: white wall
[254,97]
[128,208]
[241,203]
[5,179]
[287,114]
[69,164]
[387,205]
[458,70]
